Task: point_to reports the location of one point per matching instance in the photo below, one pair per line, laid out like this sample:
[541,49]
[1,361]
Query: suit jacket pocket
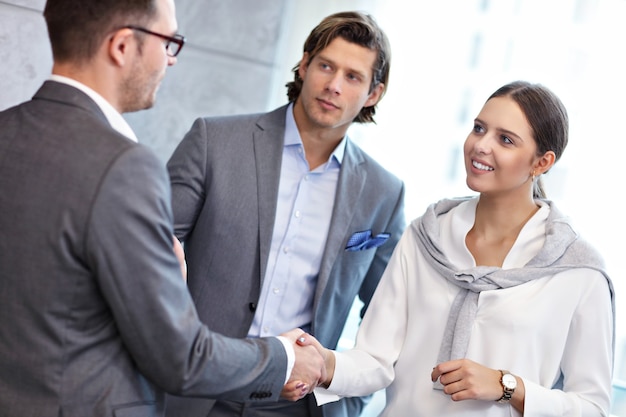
[364,240]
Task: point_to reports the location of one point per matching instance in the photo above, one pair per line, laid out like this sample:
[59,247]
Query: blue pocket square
[364,240]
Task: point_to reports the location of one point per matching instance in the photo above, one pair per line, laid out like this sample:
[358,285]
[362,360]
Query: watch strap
[507,393]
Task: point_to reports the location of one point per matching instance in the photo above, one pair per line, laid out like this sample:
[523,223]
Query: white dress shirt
[535,330]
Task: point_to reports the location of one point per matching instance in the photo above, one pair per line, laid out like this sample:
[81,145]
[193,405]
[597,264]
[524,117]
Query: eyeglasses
[174,43]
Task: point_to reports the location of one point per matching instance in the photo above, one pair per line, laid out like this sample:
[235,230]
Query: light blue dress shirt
[303,214]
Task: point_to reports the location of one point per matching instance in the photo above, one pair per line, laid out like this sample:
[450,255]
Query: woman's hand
[464,379]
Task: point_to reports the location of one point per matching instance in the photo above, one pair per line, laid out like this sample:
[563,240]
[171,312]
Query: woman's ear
[544,163]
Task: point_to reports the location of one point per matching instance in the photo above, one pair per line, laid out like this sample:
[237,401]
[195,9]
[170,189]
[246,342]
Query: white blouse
[536,330]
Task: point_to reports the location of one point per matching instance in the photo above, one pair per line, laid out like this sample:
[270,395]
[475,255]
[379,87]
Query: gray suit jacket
[95,319]
[225,176]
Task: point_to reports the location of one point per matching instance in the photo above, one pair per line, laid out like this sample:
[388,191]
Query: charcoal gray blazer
[225,175]
[95,319]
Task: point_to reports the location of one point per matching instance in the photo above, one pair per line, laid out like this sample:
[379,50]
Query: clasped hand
[310,369]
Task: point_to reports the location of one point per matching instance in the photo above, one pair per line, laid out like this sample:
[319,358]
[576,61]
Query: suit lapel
[268,140]
[349,188]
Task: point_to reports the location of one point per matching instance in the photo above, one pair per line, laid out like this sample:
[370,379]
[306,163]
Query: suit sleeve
[129,248]
[187,170]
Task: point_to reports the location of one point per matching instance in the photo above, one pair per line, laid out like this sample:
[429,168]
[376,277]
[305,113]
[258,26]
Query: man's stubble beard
[139,90]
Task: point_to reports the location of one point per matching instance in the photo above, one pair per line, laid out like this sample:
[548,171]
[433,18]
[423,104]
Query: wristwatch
[509,383]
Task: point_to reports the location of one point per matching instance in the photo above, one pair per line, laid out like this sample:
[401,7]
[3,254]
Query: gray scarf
[562,250]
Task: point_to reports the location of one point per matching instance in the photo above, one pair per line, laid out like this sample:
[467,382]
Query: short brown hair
[354,27]
[76,28]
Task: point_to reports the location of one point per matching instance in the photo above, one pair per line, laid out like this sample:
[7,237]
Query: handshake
[314,366]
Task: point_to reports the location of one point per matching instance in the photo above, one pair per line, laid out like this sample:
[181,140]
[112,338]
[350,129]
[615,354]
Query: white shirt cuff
[322,396]
[291,355]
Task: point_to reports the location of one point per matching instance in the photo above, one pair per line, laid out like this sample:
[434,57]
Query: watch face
[509,381]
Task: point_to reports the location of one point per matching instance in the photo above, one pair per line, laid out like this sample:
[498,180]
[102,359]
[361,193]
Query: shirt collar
[527,244]
[292,137]
[113,116]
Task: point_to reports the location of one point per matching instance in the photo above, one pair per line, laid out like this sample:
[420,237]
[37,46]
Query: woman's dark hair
[354,27]
[77,27]
[546,116]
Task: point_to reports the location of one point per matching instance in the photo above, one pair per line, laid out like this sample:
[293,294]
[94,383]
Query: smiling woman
[437,87]
[487,271]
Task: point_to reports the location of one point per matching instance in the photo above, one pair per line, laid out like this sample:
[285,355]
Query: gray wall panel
[245,28]
[200,84]
[29,4]
[227,66]
[25,56]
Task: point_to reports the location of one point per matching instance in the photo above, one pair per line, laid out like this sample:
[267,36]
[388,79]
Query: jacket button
[252,307]
[261,394]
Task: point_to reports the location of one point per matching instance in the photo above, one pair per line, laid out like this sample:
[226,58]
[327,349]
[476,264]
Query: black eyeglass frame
[177,39]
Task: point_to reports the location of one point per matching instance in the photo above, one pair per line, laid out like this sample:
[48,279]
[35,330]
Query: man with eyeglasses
[95,318]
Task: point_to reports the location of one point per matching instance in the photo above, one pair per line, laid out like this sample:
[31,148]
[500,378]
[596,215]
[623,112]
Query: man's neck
[319,142]
[90,77]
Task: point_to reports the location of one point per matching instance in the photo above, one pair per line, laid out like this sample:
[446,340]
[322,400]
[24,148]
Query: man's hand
[309,369]
[328,355]
[180,255]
